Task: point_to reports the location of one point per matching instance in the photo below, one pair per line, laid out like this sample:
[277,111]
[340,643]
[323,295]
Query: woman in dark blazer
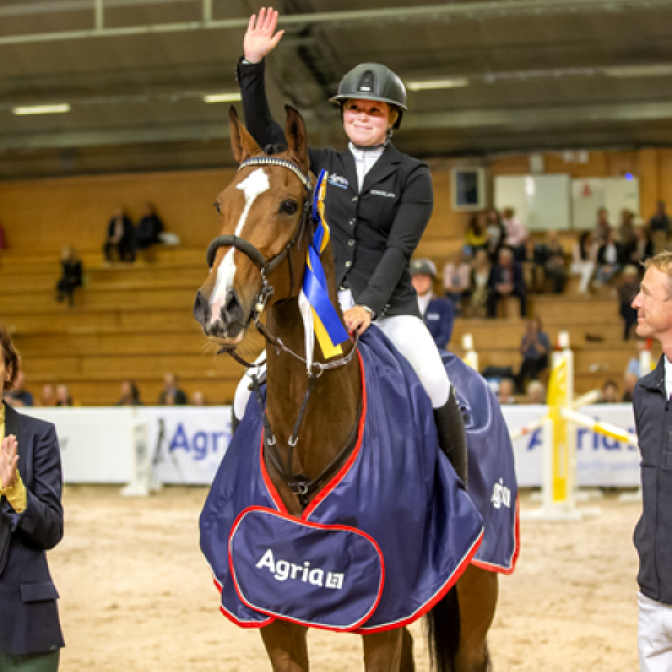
[31,523]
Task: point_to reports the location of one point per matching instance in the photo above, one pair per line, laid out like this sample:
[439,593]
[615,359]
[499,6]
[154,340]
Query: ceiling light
[454,83]
[59,108]
[222,98]
[654,70]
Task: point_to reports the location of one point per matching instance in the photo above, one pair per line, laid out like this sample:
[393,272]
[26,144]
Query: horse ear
[297,141]
[242,143]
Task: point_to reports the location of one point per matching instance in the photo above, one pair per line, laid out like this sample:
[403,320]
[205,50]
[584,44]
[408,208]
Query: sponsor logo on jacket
[338,181]
[386,194]
[283,570]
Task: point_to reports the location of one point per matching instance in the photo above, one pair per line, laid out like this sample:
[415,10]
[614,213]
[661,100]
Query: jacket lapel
[11,427]
[350,170]
[386,164]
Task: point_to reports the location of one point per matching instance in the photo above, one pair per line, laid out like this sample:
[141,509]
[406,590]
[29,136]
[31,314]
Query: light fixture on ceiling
[653,70]
[452,83]
[222,98]
[57,108]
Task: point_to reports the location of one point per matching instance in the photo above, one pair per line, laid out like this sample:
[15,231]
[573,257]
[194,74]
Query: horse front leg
[477,592]
[286,646]
[382,651]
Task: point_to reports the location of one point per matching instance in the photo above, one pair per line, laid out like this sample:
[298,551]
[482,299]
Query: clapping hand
[259,39]
[8,461]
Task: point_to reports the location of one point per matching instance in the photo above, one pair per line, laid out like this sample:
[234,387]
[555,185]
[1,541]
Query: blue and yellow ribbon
[329,329]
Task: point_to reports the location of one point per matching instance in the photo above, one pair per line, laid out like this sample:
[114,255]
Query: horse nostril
[232,311]
[201,309]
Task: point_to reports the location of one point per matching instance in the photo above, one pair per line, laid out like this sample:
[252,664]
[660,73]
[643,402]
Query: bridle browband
[300,484]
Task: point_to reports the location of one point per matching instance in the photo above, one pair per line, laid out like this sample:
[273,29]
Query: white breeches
[409,335]
[655,636]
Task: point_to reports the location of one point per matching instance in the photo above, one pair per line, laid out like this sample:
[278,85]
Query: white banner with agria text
[186,444]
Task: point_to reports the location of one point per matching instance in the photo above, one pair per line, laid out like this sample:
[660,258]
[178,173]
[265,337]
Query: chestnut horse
[257,265]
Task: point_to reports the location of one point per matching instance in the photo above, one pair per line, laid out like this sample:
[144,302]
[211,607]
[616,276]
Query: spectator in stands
[477,235]
[496,235]
[130,395]
[505,392]
[641,247]
[437,313]
[71,275]
[555,266]
[48,397]
[63,397]
[17,396]
[629,382]
[633,362]
[626,295]
[609,392]
[198,399]
[516,234]
[506,279]
[585,259]
[120,237]
[457,280]
[602,227]
[625,233]
[534,348]
[149,228]
[534,265]
[609,259]
[480,275]
[659,226]
[536,393]
[171,395]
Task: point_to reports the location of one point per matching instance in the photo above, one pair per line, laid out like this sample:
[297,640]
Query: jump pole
[559,446]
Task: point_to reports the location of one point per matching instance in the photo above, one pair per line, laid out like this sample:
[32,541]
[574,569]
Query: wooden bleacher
[135,321]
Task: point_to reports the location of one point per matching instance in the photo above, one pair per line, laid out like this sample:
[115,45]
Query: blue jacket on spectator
[440,319]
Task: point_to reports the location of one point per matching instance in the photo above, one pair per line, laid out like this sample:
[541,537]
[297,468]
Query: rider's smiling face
[366,121]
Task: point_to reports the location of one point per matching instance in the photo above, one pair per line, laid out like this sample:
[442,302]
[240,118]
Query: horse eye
[216,204]
[288,207]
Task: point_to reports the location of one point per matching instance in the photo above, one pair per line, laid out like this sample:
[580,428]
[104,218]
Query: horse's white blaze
[252,186]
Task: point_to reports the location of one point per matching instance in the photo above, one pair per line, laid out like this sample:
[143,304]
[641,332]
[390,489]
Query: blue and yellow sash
[328,327]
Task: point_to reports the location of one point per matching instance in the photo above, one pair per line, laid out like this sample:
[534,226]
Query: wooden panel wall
[47,214]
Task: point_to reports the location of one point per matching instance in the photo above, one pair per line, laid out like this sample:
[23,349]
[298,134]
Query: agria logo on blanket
[283,570]
[501,495]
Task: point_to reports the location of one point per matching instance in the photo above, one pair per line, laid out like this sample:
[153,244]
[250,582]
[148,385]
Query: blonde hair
[661,261]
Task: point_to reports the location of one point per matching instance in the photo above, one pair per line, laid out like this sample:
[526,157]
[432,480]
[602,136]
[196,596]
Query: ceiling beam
[508,119]
[487,9]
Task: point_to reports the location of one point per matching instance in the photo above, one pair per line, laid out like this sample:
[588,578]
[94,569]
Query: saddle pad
[323,576]
[397,487]
[493,486]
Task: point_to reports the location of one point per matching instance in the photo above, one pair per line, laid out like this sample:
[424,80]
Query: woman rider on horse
[378,206]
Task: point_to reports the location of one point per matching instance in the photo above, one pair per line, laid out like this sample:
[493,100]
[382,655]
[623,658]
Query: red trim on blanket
[516,551]
[233,619]
[442,592]
[326,490]
[273,616]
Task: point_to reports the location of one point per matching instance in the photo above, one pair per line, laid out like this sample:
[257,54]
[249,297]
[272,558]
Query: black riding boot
[452,436]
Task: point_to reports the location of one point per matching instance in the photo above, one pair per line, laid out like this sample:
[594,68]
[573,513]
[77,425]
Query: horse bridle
[300,484]
[266,267]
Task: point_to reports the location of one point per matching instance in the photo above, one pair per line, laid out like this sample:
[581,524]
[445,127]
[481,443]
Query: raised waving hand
[260,38]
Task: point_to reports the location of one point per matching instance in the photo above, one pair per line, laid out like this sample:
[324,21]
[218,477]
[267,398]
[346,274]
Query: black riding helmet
[372,81]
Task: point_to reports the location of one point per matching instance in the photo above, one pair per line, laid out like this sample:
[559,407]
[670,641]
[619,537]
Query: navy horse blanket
[377,547]
[492,477]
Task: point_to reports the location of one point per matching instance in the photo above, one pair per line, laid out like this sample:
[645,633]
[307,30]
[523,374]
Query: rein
[299,484]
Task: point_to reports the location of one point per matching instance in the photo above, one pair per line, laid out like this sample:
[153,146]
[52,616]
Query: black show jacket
[373,232]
